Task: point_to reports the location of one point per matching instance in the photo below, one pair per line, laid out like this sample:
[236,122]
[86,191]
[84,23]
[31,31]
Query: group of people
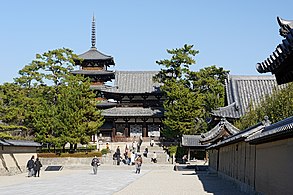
[130,158]
[34,167]
[131,155]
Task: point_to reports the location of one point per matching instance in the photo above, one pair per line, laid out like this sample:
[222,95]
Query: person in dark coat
[145,152]
[30,166]
[139,143]
[37,167]
[95,164]
[118,155]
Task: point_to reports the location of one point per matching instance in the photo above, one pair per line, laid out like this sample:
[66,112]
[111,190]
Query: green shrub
[172,150]
[73,155]
[105,151]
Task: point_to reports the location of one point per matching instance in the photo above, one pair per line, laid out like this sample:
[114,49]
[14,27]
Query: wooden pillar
[113,133]
[126,131]
[144,127]
[114,129]
[144,132]
[188,155]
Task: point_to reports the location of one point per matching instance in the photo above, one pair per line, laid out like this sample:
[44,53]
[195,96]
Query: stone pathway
[71,182]
[118,180]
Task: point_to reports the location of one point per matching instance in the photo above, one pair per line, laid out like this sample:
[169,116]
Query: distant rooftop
[135,82]
[219,132]
[132,111]
[243,91]
[192,141]
[6,142]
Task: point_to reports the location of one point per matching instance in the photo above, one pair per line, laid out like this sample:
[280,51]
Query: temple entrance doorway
[135,130]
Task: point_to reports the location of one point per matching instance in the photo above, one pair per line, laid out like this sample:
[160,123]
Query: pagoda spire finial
[93,32]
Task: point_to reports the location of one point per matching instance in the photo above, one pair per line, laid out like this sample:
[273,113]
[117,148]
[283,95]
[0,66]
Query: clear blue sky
[230,34]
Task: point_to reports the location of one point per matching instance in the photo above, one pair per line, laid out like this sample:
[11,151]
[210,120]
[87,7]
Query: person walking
[95,163]
[37,167]
[134,146]
[129,157]
[30,166]
[132,158]
[154,158]
[139,143]
[145,152]
[138,163]
[118,155]
[114,158]
[152,142]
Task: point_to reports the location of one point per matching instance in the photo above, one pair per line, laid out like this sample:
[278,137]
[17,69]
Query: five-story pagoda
[94,64]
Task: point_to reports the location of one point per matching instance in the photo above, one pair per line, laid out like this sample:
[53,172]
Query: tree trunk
[75,147]
[71,148]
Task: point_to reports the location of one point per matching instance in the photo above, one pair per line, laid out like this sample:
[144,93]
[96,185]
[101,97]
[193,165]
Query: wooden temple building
[195,149]
[259,158]
[132,106]
[243,93]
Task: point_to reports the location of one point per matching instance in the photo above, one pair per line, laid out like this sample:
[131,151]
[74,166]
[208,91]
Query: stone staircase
[161,154]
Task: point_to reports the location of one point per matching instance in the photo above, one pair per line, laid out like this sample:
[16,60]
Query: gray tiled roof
[135,82]
[191,140]
[94,54]
[222,126]
[281,129]
[132,112]
[242,91]
[19,143]
[4,143]
[92,72]
[100,87]
[280,61]
[106,103]
[240,136]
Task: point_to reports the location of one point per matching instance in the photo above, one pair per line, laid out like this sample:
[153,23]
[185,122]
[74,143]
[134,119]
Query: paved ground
[118,180]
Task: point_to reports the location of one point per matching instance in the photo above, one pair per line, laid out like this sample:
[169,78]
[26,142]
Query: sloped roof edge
[214,132]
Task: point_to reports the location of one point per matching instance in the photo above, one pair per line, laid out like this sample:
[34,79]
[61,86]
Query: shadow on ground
[210,181]
[196,168]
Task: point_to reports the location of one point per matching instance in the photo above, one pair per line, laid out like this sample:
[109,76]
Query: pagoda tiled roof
[280,61]
[100,87]
[92,72]
[132,112]
[93,57]
[106,103]
[94,54]
[135,82]
[221,130]
[243,92]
